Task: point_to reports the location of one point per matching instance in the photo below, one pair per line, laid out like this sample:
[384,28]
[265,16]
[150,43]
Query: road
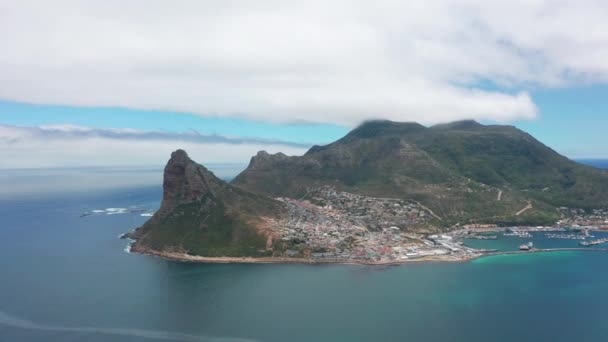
[528,207]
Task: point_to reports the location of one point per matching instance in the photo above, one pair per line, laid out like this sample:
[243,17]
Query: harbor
[535,239]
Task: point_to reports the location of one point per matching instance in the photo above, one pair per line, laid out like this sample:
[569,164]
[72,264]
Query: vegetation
[204,215]
[457,170]
[209,232]
[464,172]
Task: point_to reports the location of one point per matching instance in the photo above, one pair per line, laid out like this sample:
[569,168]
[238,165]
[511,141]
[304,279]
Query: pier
[482,237]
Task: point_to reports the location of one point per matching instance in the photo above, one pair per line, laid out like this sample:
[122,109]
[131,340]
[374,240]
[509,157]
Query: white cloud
[69,146]
[320,61]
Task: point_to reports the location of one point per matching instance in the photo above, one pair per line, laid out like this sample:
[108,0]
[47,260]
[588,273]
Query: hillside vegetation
[458,170]
[203,215]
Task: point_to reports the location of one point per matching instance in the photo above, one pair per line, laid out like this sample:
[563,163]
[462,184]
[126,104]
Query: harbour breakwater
[540,250]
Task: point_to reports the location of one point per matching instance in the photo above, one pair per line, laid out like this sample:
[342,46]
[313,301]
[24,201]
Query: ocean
[65,276]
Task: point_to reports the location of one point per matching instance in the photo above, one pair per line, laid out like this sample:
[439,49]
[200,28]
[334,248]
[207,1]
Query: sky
[112,83]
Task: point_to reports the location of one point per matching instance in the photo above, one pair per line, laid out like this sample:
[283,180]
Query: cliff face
[183,182]
[203,215]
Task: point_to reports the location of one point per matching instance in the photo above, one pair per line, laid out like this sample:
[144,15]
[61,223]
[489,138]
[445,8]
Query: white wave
[147,214]
[97,211]
[110,210]
[129,244]
[8,320]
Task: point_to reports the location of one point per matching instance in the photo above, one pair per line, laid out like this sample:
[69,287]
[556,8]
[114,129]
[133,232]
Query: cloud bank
[313,61]
[75,146]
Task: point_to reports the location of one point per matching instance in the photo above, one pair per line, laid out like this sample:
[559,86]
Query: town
[329,225]
[580,217]
[333,225]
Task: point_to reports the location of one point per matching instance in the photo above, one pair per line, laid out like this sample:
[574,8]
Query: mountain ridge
[204,215]
[407,159]
[382,175]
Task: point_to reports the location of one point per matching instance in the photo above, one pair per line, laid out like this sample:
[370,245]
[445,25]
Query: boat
[526,247]
[594,242]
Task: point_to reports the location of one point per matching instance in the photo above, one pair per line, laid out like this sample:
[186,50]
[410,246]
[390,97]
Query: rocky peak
[185,180]
[179,157]
[264,159]
[201,214]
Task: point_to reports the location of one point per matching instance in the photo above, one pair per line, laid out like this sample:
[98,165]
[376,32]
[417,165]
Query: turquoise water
[67,278]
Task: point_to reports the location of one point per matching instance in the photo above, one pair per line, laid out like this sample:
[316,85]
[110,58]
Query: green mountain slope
[458,170]
[203,215]
[504,156]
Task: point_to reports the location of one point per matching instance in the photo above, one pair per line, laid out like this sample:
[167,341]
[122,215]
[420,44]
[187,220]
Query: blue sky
[105,83]
[20,114]
[573,120]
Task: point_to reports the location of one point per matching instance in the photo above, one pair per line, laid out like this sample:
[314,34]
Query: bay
[64,277]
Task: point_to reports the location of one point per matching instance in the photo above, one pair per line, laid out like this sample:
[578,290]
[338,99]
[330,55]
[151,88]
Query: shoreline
[132,247]
[182,257]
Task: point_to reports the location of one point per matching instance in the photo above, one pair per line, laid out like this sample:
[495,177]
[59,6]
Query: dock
[482,237]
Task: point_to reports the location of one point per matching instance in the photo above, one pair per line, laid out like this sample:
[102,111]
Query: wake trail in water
[11,321]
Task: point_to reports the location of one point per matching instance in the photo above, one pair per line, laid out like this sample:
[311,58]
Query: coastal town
[333,225]
[328,225]
[579,217]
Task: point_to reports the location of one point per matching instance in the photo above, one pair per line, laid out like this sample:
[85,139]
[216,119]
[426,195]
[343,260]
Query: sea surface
[67,277]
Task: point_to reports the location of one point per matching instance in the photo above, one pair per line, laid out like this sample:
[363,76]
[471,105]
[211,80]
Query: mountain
[382,179]
[464,171]
[203,215]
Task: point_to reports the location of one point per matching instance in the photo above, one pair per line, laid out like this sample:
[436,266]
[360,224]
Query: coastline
[134,247]
[183,257]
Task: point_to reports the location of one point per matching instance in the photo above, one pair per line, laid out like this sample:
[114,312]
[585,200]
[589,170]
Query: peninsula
[385,193]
